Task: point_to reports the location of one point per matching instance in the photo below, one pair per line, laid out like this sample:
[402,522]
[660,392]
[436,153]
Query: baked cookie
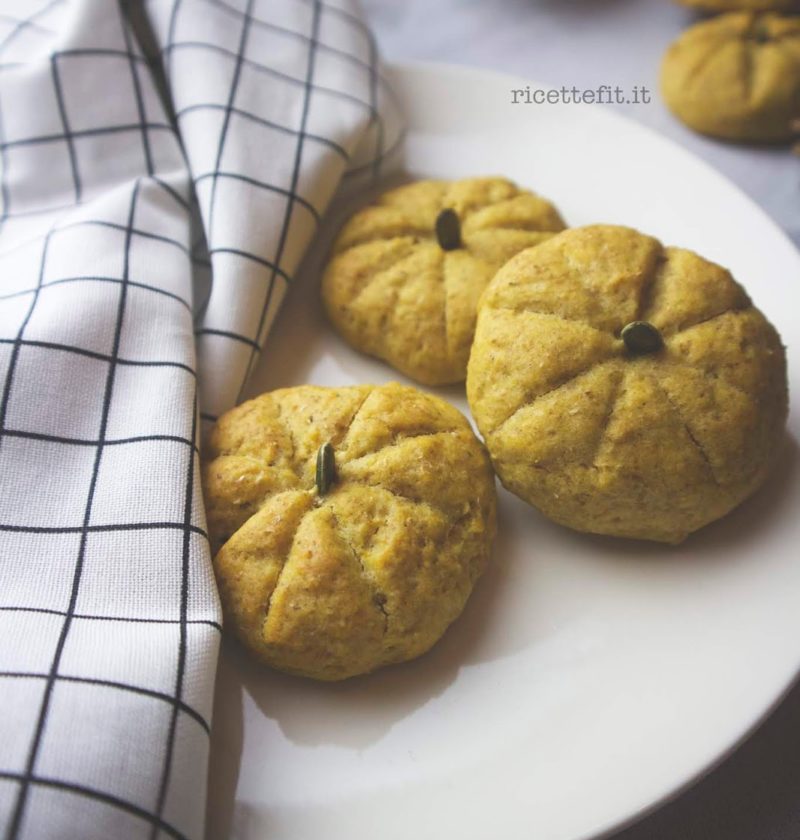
[626,388]
[736,76]
[406,272]
[742,5]
[349,525]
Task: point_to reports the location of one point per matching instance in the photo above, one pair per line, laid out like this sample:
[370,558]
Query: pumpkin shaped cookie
[742,5]
[737,77]
[406,272]
[626,388]
[349,525]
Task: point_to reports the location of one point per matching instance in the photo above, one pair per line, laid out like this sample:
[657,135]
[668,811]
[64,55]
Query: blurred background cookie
[406,272]
[349,525]
[742,5]
[625,388]
[736,77]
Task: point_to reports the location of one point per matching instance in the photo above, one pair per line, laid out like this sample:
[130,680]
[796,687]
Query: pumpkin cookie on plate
[349,525]
[736,77]
[407,271]
[626,388]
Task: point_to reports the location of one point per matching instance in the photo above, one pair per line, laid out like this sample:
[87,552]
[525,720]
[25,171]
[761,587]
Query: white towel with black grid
[163,167]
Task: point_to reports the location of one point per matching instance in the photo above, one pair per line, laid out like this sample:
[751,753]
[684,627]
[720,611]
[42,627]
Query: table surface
[755,793]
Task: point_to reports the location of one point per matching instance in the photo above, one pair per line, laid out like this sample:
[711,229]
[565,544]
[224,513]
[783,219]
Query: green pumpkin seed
[448,230]
[760,32]
[641,337]
[326,468]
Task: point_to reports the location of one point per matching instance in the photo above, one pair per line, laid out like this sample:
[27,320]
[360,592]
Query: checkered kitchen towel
[164,164]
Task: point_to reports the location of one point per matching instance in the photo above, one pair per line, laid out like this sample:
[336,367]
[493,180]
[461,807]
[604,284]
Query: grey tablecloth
[755,793]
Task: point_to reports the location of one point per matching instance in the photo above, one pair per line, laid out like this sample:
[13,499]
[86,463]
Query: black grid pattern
[129,264]
[86,248]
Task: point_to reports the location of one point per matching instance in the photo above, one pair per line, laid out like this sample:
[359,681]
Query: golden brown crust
[393,293]
[736,76]
[374,571]
[652,446]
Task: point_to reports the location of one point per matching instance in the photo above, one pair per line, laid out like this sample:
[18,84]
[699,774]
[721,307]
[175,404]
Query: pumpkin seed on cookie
[407,271]
[626,388]
[348,525]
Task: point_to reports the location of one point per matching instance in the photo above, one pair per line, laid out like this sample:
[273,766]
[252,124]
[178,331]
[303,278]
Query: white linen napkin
[120,298]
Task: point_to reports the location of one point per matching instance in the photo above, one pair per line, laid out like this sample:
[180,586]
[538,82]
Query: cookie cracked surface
[373,571]
[652,444]
[394,292]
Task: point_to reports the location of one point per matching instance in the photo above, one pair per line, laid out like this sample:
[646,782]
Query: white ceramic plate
[588,678]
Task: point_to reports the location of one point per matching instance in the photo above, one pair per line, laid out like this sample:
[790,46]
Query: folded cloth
[163,167]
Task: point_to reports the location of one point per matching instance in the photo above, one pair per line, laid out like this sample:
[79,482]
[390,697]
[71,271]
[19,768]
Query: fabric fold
[274,104]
